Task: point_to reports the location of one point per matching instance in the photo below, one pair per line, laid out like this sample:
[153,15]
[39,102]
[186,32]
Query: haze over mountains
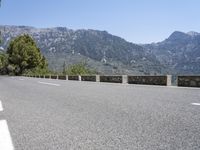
[109,54]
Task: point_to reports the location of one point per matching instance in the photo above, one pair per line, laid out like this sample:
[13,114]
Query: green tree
[3,63]
[78,69]
[2,60]
[64,68]
[23,54]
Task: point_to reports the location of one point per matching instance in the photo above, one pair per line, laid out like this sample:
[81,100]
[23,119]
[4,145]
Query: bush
[78,69]
[3,63]
[37,71]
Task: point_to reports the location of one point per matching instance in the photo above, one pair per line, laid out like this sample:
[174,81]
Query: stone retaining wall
[88,78]
[62,77]
[112,79]
[148,80]
[53,77]
[189,81]
[73,78]
[47,76]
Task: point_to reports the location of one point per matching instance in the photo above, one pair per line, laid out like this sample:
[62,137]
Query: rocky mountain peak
[177,35]
[193,33]
[180,52]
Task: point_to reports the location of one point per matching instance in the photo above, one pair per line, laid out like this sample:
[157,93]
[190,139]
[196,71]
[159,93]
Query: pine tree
[23,54]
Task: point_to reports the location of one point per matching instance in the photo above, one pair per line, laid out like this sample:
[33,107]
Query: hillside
[180,52]
[101,51]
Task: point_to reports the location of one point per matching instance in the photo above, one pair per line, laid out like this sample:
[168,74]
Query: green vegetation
[3,60]
[78,69]
[3,63]
[38,71]
[24,56]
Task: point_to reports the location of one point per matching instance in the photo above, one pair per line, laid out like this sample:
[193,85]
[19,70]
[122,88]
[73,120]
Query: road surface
[45,114]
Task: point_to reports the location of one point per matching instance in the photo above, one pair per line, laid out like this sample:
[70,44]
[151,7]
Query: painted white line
[1,107]
[196,104]
[5,138]
[49,83]
[21,79]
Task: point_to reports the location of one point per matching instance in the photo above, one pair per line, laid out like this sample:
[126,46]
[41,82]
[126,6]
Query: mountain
[101,51]
[180,52]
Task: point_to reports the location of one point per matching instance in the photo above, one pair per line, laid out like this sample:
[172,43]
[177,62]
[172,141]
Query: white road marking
[49,83]
[1,107]
[5,138]
[196,104]
[21,79]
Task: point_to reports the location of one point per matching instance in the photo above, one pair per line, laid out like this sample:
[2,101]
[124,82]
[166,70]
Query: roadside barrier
[124,79]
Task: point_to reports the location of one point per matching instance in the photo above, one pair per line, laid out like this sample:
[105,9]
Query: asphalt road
[44,114]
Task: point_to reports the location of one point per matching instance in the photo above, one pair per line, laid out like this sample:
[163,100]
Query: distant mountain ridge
[193,33]
[109,54]
[105,53]
[180,52]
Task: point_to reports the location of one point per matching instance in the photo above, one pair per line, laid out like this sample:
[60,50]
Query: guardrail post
[66,77]
[124,79]
[169,80]
[97,78]
[79,78]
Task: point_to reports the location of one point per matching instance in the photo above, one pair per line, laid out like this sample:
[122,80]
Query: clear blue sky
[138,21]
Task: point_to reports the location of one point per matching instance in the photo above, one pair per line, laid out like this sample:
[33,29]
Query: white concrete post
[79,78]
[66,77]
[124,79]
[97,78]
[169,80]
